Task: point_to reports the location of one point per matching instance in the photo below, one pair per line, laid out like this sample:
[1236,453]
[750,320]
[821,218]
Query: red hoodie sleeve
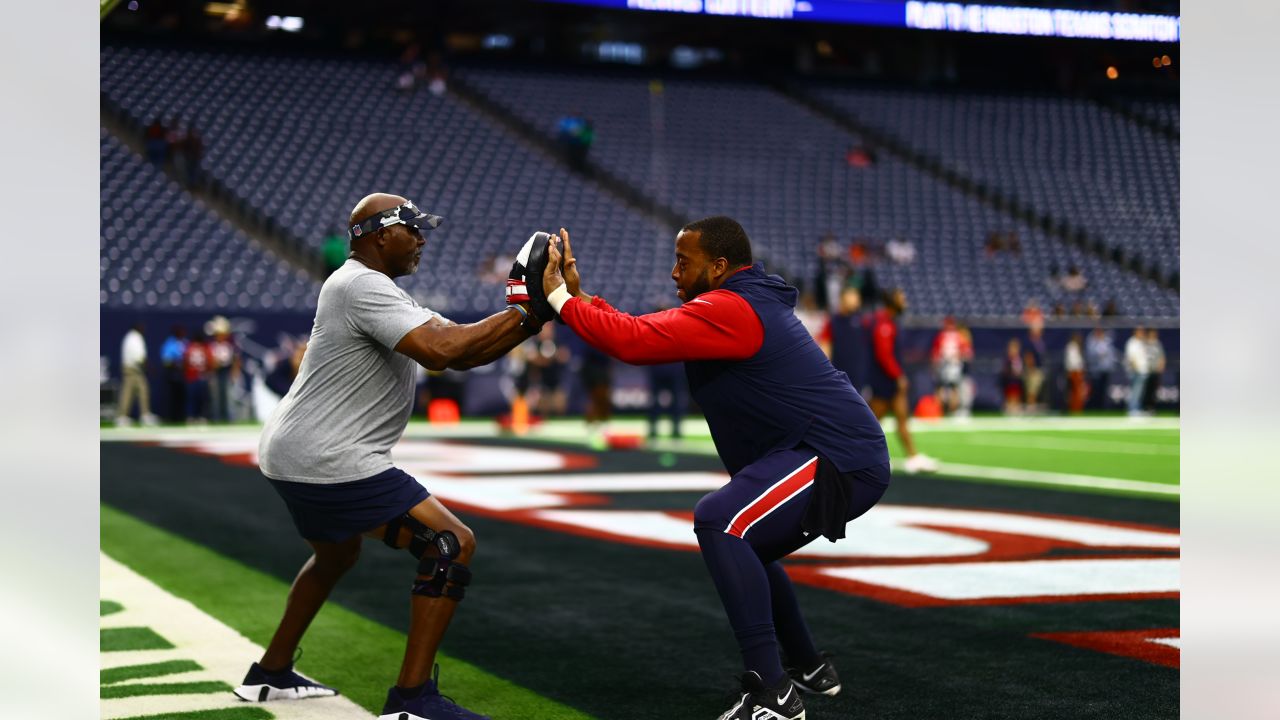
[717,325]
[882,340]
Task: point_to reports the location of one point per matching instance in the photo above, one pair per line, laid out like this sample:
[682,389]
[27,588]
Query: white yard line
[1038,424]
[695,427]
[223,654]
[1038,477]
[1011,440]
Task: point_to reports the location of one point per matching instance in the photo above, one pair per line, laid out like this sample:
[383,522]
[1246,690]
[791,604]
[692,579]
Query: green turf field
[343,648]
[1150,455]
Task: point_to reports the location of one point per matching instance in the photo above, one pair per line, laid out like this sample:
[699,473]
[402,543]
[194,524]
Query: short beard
[699,286]
[410,267]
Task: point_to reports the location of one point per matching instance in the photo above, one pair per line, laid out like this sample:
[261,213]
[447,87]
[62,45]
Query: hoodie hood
[759,279]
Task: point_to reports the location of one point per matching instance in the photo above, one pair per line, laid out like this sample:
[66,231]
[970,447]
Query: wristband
[558,297]
[530,324]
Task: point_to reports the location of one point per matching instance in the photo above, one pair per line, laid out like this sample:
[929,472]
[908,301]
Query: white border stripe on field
[1039,477]
[222,653]
[1038,424]
[1074,445]
[695,427]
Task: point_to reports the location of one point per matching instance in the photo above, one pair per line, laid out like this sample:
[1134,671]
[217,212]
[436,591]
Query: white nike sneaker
[920,463]
[757,702]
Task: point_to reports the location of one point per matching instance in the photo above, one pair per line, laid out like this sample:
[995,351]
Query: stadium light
[287,23]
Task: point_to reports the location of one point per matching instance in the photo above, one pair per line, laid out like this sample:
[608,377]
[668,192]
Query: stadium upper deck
[300,139]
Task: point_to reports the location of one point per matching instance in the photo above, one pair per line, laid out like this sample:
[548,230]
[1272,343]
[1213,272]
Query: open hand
[571,276]
[552,277]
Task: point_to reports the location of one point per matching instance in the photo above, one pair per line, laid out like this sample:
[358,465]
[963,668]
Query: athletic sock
[740,578]
[276,673]
[793,632]
[410,693]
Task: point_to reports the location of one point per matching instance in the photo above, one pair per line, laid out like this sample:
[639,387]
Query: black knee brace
[442,576]
[446,543]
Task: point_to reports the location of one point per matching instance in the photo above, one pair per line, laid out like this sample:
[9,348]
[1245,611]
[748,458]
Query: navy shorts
[766,502]
[335,512]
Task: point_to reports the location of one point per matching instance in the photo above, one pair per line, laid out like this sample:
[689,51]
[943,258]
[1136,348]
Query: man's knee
[453,540]
[710,514]
[466,543]
[449,574]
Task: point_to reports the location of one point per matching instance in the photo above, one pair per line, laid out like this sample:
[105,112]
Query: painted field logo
[906,555]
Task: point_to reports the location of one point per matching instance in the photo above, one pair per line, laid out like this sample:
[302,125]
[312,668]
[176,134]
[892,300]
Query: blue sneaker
[262,686]
[428,705]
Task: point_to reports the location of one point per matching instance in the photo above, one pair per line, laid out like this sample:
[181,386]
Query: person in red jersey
[889,385]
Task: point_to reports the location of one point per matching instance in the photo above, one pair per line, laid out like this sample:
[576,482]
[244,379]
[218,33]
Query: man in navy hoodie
[805,453]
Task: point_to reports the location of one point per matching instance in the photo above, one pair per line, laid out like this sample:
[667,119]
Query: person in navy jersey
[849,329]
[888,379]
[805,452]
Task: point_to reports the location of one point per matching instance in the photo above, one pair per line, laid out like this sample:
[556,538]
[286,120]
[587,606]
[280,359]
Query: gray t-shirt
[354,393]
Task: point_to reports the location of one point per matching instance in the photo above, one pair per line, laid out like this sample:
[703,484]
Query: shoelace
[435,679]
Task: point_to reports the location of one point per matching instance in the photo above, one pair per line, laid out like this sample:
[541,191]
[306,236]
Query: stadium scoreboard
[916,14]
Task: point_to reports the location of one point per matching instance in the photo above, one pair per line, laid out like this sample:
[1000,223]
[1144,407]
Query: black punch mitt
[534,268]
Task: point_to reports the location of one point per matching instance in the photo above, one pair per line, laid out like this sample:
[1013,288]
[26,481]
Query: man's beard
[699,286]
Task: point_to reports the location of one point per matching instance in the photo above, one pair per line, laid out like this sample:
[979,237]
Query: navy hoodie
[785,395]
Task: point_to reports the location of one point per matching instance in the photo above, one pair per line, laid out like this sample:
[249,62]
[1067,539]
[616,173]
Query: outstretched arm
[718,325]
[439,344]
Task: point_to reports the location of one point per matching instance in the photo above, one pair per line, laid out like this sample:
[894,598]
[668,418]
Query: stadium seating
[1072,159]
[161,249]
[300,140]
[709,147]
[1162,113]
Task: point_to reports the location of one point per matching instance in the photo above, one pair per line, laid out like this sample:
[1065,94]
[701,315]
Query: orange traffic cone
[519,415]
[928,407]
[443,411]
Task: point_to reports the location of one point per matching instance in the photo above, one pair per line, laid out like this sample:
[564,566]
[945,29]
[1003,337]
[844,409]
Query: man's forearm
[500,333]
[439,344]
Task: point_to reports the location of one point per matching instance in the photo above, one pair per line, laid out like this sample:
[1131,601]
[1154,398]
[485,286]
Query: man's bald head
[393,250]
[372,204]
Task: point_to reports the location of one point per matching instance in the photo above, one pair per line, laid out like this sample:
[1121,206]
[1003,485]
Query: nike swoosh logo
[812,675]
[782,700]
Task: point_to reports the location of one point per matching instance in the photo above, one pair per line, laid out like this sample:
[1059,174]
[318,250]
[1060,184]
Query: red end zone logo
[906,555]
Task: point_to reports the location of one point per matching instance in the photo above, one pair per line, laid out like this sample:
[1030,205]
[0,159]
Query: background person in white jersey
[326,450]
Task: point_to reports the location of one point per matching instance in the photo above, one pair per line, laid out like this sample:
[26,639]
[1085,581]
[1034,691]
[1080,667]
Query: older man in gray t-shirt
[327,450]
[354,392]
